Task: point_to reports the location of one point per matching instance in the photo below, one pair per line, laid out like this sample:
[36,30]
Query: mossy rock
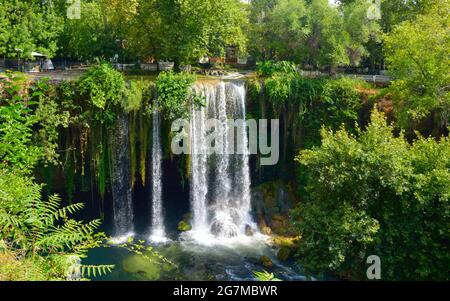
[264,228]
[284,254]
[184,226]
[266,261]
[285,241]
[279,224]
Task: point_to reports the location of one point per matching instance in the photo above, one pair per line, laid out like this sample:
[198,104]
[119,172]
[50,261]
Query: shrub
[268,68]
[375,194]
[175,94]
[104,88]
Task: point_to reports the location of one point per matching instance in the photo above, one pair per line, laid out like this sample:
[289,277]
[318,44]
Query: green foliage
[16,129]
[30,120]
[89,37]
[342,101]
[50,117]
[417,56]
[30,26]
[136,91]
[268,68]
[103,84]
[36,234]
[265,276]
[374,193]
[311,32]
[184,31]
[175,94]
[184,226]
[279,88]
[41,229]
[316,102]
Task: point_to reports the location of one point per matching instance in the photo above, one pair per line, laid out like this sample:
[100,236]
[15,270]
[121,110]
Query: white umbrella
[38,54]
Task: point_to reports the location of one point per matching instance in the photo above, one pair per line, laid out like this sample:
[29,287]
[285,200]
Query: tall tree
[184,31]
[27,26]
[417,54]
[311,32]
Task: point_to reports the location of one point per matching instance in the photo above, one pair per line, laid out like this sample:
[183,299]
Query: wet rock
[223,229]
[284,254]
[184,226]
[279,224]
[272,203]
[264,228]
[266,261]
[248,230]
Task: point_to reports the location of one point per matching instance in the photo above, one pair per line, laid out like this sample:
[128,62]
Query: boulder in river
[283,254]
[248,230]
[184,226]
[266,261]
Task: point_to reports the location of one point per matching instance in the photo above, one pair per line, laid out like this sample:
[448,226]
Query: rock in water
[184,226]
[283,254]
[266,261]
[224,229]
[248,230]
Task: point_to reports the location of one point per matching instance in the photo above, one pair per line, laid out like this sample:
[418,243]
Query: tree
[359,30]
[418,58]
[376,194]
[259,34]
[38,240]
[184,31]
[311,32]
[27,26]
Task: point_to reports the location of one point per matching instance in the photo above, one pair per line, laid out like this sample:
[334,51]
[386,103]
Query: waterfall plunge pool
[233,259]
[219,200]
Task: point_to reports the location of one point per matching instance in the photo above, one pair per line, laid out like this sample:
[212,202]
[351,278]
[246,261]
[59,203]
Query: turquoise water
[191,260]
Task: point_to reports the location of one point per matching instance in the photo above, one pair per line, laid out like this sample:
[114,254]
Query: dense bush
[314,101]
[35,233]
[41,233]
[375,194]
[104,88]
[268,68]
[175,94]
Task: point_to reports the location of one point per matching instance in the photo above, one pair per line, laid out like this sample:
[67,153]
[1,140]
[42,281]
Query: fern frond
[95,270]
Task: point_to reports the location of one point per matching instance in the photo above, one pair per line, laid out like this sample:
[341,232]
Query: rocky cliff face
[271,204]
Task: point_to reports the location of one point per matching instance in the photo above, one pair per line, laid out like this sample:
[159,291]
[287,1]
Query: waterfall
[121,179]
[158,229]
[199,185]
[220,182]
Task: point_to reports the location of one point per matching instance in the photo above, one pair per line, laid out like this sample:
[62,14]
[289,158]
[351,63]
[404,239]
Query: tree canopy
[375,193]
[27,26]
[311,32]
[417,54]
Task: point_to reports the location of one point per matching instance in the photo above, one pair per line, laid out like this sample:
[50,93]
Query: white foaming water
[121,239]
[199,185]
[158,230]
[220,183]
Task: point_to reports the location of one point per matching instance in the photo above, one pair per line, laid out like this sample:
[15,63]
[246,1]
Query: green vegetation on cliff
[374,193]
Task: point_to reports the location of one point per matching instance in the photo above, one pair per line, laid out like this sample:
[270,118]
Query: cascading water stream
[158,229]
[220,182]
[199,185]
[120,182]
